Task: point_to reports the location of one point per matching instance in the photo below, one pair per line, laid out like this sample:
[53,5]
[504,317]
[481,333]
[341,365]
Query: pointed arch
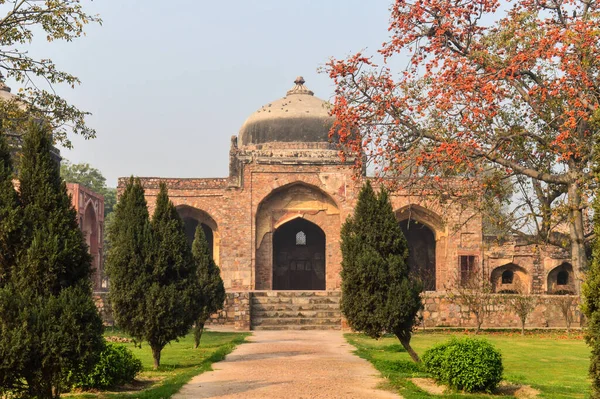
[194,217]
[290,204]
[561,279]
[91,231]
[510,278]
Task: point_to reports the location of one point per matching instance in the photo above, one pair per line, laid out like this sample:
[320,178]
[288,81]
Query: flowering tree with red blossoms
[500,98]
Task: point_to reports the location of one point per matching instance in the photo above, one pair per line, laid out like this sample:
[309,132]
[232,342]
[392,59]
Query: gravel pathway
[291,365]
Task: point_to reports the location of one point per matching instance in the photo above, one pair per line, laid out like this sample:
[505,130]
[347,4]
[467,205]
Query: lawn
[179,363]
[554,364]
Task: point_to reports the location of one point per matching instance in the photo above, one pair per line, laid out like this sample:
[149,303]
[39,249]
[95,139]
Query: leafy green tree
[212,290]
[49,324]
[154,290]
[378,293]
[10,212]
[53,20]
[591,305]
[92,178]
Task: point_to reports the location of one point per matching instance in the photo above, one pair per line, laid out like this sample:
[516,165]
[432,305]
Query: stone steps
[296,310]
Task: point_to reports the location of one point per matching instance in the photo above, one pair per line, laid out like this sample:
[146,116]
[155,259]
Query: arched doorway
[194,217]
[92,236]
[190,225]
[299,256]
[421,251]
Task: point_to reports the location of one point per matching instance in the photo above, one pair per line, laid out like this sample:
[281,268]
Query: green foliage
[10,212]
[468,364]
[154,288]
[52,20]
[212,290]
[378,293]
[49,325]
[117,366]
[591,305]
[129,260]
[91,178]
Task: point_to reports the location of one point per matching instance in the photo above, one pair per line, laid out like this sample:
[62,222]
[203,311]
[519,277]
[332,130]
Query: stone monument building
[274,227]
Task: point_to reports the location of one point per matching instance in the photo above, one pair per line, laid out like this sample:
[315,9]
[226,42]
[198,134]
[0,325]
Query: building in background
[274,228]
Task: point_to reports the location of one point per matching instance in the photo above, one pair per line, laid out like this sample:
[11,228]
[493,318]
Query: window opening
[300,238]
[562,278]
[507,277]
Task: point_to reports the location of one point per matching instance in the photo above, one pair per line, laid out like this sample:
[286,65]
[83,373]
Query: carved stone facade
[275,221]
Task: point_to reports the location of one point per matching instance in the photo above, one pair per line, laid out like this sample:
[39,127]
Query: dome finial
[299,88]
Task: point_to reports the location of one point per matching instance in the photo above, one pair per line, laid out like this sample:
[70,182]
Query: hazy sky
[169,82]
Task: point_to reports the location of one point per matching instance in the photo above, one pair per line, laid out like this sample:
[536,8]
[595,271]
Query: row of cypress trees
[160,286]
[49,325]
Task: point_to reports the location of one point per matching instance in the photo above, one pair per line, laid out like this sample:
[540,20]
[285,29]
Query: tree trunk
[523,327]
[577,233]
[405,341]
[198,329]
[156,356]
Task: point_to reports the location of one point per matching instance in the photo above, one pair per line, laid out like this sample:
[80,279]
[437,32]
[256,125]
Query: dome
[297,117]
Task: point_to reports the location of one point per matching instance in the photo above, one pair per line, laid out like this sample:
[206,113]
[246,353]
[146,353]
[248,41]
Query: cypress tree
[173,293]
[129,260]
[10,213]
[378,293]
[49,325]
[154,290]
[212,290]
[591,305]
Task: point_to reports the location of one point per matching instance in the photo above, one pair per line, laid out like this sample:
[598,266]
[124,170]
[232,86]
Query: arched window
[300,238]
[562,278]
[507,277]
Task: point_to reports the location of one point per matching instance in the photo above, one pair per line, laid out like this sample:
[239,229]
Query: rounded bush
[117,365]
[466,364]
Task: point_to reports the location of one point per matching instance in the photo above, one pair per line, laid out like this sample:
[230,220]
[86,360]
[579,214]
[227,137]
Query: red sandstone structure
[274,228]
[90,214]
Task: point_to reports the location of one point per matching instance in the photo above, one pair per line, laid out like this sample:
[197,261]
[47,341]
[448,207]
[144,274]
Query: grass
[179,363]
[552,363]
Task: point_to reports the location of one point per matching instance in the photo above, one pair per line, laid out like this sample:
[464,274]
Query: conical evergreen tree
[378,294]
[154,290]
[591,305]
[49,325]
[212,290]
[129,260]
[173,292]
[10,213]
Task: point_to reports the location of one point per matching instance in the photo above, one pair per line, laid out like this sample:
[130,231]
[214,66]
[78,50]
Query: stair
[296,310]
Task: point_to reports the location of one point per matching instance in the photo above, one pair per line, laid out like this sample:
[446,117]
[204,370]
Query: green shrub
[117,366]
[465,364]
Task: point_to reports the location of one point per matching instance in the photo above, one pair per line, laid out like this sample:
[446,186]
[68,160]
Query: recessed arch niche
[194,217]
[280,218]
[510,279]
[91,232]
[561,280]
[425,236]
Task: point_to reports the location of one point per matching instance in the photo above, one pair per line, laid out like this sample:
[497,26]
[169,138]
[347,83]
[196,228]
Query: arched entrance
[190,225]
[194,217]
[92,236]
[299,256]
[421,251]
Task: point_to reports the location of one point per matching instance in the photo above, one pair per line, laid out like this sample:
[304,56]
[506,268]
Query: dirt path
[291,365]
